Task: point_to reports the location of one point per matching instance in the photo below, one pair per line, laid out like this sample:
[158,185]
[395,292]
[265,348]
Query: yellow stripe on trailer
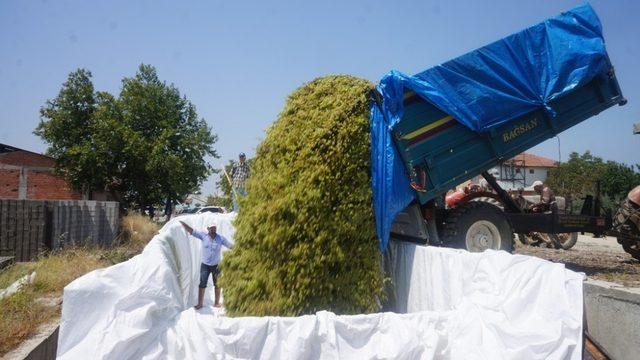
[426,128]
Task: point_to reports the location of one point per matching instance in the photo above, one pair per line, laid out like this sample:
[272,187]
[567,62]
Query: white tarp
[460,306]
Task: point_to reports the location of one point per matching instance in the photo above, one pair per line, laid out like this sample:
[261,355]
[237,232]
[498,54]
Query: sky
[237,61]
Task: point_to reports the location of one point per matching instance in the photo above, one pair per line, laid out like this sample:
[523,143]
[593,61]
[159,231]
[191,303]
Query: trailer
[448,124]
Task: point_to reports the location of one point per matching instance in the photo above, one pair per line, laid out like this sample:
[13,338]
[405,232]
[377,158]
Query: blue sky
[237,61]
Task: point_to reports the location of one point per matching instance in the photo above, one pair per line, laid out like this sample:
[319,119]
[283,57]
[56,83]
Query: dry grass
[56,270]
[21,314]
[14,272]
[136,232]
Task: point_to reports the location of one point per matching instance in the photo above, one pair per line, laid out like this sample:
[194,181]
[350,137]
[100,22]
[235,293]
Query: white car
[212,209]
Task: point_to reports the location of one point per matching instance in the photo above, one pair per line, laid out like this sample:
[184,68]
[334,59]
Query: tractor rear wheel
[477,226]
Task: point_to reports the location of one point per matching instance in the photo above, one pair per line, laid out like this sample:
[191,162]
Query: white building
[522,171]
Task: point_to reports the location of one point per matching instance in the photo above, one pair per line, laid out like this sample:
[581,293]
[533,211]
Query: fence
[27,227]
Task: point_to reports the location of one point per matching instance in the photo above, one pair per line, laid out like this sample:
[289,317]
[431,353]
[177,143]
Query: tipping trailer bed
[441,153]
[459,119]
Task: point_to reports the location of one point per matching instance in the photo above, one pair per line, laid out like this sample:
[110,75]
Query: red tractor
[527,203]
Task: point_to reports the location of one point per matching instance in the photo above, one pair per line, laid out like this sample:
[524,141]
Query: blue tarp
[483,89]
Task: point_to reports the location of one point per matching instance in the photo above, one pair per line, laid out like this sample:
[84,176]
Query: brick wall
[9,182]
[26,158]
[38,182]
[44,185]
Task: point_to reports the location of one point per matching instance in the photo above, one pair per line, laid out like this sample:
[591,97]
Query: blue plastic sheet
[483,89]
[389,181]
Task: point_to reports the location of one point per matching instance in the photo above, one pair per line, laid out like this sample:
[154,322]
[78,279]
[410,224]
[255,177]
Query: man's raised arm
[226,242]
[187,227]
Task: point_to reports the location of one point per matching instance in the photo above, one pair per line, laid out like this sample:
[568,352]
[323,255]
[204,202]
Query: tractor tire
[491,201]
[477,226]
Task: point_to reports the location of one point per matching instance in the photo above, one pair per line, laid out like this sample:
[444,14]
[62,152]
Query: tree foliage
[69,131]
[147,144]
[305,234]
[580,174]
[213,200]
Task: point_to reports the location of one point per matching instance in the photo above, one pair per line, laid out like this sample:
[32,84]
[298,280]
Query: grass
[14,272]
[22,313]
[20,316]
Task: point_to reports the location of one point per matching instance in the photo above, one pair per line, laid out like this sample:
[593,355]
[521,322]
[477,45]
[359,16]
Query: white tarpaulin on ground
[459,306]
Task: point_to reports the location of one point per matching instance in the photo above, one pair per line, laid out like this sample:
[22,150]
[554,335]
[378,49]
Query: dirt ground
[599,258]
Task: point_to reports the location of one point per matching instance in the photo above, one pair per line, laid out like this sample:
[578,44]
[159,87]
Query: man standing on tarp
[239,175]
[211,246]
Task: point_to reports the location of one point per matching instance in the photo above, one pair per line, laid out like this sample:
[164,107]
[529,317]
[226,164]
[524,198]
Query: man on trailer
[239,175]
[547,197]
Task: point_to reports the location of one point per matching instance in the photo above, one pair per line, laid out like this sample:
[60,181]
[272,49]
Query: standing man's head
[212,231]
[242,158]
[538,186]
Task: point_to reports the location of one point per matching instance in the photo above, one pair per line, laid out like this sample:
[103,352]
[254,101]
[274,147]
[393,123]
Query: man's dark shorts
[205,270]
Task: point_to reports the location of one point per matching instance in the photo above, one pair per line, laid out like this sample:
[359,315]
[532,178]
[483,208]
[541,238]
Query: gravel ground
[601,259]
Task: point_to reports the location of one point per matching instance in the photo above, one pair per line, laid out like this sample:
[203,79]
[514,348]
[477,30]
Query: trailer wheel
[525,239]
[566,240]
[477,226]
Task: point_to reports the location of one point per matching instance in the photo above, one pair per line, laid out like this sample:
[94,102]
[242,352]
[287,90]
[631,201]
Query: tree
[148,143]
[618,179]
[68,125]
[213,200]
[166,142]
[577,176]
[580,174]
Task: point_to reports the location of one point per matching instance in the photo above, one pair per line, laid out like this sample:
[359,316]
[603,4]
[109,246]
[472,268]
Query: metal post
[508,201]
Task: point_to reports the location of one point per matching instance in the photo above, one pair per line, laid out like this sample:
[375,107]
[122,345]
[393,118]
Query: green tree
[577,176]
[68,125]
[618,179]
[580,175]
[148,143]
[166,142]
[213,200]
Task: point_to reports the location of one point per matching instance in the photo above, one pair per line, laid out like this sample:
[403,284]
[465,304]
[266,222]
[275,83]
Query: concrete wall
[612,318]
[47,349]
[27,227]
[78,222]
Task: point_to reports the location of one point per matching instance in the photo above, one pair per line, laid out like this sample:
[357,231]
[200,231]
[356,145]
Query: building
[636,128]
[522,170]
[28,175]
